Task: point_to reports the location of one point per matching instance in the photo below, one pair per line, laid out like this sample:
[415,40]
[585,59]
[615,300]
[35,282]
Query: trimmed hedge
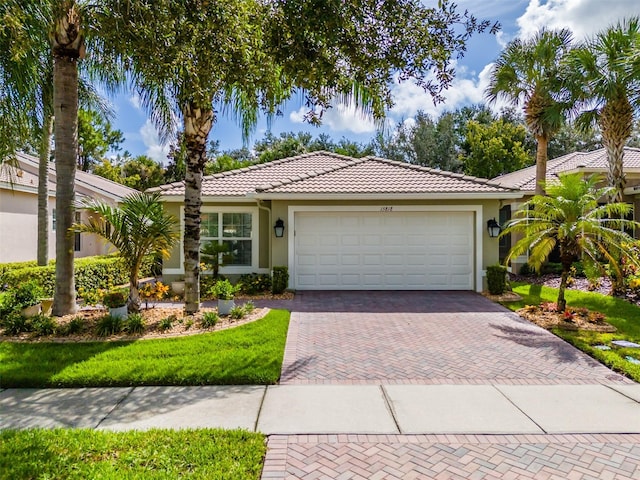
[280,280]
[496,279]
[91,273]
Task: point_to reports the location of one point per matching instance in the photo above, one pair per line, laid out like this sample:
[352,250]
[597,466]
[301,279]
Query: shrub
[209,319]
[109,325]
[237,313]
[154,291]
[43,326]
[22,296]
[249,307]
[552,267]
[223,290]
[253,283]
[91,274]
[496,279]
[75,325]
[114,299]
[207,282]
[189,323]
[15,324]
[280,280]
[134,323]
[526,270]
[167,323]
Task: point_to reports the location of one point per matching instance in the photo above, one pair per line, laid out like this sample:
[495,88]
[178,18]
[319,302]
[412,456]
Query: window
[232,229]
[77,245]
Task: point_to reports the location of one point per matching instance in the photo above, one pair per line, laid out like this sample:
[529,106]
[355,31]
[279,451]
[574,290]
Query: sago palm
[610,90]
[571,218]
[137,228]
[529,73]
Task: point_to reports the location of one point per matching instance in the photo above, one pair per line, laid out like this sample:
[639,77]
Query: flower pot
[47,303]
[225,306]
[31,311]
[118,312]
[178,287]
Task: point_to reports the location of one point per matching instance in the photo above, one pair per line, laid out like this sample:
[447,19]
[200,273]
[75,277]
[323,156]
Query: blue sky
[518,18]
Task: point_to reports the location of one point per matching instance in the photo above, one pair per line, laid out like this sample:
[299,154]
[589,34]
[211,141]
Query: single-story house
[343,223]
[586,163]
[19,210]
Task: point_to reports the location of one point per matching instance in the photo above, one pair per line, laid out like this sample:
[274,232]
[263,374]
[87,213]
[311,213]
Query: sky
[519,18]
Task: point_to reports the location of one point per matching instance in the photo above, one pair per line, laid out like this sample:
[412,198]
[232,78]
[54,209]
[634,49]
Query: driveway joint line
[124,397]
[389,406]
[520,409]
[264,396]
[610,387]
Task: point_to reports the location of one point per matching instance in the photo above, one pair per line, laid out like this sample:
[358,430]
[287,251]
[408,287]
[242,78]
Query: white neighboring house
[19,210]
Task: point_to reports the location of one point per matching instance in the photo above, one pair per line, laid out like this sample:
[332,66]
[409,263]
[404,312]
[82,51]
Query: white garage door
[384,250]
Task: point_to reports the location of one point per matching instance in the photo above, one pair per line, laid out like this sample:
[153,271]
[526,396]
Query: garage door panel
[371,250]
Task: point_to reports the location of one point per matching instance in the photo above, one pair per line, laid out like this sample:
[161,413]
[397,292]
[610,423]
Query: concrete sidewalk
[334,409]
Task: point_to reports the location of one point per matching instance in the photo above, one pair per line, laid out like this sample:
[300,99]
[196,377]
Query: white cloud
[155,149]
[340,118]
[583,17]
[135,101]
[464,90]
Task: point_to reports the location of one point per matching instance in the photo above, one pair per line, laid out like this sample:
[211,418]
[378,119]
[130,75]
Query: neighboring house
[19,210]
[586,163]
[358,224]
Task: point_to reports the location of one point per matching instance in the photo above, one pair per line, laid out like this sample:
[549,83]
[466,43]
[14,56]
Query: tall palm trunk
[616,123]
[197,124]
[541,163]
[43,191]
[67,46]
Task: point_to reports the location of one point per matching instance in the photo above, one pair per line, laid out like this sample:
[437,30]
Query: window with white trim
[232,229]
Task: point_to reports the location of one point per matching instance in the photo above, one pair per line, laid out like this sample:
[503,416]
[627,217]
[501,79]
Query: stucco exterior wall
[19,226]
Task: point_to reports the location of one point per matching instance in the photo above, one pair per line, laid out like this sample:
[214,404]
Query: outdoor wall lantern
[493,228]
[278,228]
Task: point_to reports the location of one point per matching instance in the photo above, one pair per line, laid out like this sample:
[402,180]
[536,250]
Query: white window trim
[479,228]
[255,241]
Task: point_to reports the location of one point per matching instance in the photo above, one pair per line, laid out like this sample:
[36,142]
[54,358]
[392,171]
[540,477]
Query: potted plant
[116,302]
[177,287]
[26,298]
[225,292]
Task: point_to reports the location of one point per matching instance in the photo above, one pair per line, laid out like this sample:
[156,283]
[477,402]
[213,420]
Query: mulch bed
[550,320]
[181,326]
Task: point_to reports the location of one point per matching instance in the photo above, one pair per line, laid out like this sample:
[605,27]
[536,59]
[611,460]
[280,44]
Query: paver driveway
[425,338]
[436,338]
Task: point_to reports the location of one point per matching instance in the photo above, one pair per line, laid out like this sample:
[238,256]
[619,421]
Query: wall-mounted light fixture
[493,228]
[278,228]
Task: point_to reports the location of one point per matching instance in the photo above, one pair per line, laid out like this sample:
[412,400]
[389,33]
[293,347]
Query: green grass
[155,454]
[620,313]
[250,354]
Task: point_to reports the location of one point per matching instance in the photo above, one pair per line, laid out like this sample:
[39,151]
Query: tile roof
[596,160]
[371,175]
[88,182]
[242,181]
[329,173]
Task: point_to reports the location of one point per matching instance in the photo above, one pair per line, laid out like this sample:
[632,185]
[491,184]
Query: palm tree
[611,90]
[137,228]
[571,218]
[26,96]
[529,73]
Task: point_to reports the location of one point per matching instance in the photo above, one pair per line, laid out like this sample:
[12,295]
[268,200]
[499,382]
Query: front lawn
[620,313]
[155,454]
[249,354]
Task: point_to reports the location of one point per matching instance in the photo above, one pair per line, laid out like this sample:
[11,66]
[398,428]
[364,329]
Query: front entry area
[384,250]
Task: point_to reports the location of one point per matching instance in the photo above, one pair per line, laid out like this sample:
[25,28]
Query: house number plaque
[386,209]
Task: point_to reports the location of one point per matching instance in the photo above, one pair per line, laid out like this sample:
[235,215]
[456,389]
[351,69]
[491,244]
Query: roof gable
[325,173]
